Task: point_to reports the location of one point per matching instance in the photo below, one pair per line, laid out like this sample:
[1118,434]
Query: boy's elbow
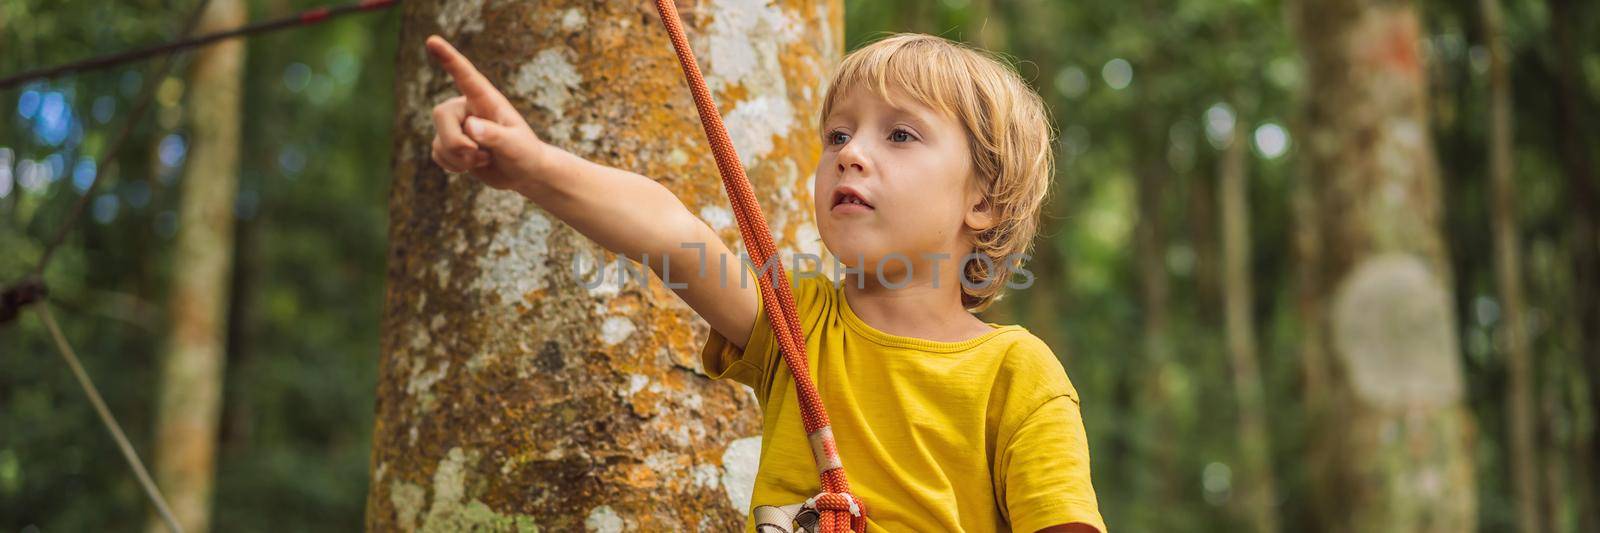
[680,236]
[696,238]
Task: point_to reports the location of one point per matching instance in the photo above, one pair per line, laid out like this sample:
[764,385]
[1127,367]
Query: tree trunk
[1158,400]
[1576,153]
[1397,439]
[510,394]
[1205,243]
[190,393]
[1508,275]
[1260,492]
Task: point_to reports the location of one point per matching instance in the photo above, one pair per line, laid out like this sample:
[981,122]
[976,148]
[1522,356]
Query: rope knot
[836,501]
[840,510]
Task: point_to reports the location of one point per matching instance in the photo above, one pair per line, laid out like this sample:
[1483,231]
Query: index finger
[468,80]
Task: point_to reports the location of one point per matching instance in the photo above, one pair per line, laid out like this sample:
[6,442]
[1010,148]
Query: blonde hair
[1008,130]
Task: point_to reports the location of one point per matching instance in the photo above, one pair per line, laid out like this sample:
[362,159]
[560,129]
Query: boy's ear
[981,216]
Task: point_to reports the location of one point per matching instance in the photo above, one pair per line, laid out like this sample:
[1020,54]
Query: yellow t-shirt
[976,435]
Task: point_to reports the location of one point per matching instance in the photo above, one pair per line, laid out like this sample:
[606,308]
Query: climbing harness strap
[838,511]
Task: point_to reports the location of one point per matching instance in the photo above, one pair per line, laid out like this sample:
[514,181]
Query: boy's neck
[919,308]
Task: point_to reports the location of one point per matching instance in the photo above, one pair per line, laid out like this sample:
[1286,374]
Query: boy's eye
[838,137]
[901,136]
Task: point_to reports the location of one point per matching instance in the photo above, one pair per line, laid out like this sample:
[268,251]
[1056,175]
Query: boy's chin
[860,253]
[857,260]
[849,254]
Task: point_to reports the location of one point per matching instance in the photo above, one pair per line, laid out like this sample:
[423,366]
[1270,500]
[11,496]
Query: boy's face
[912,167]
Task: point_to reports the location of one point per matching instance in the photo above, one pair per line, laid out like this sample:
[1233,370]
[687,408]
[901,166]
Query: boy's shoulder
[1030,365]
[813,280]
[811,289]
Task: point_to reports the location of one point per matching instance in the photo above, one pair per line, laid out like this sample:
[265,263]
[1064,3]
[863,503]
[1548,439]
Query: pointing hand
[479,131]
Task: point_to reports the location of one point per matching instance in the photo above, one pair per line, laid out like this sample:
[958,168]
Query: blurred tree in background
[190,385]
[1383,385]
[1168,115]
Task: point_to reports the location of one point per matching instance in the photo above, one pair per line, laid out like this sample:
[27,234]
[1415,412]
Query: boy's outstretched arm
[481,133]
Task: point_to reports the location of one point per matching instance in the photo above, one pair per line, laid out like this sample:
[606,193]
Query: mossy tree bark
[514,392]
[1392,451]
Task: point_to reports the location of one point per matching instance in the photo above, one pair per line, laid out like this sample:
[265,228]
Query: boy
[936,159]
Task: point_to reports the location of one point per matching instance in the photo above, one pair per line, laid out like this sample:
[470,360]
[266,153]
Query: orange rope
[840,511]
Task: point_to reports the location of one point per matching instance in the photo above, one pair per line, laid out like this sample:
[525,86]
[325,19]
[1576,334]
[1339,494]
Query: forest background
[1176,269]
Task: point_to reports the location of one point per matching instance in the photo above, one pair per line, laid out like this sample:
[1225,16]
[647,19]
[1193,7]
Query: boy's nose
[850,157]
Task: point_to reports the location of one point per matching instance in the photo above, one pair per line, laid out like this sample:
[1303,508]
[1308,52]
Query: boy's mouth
[845,195]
